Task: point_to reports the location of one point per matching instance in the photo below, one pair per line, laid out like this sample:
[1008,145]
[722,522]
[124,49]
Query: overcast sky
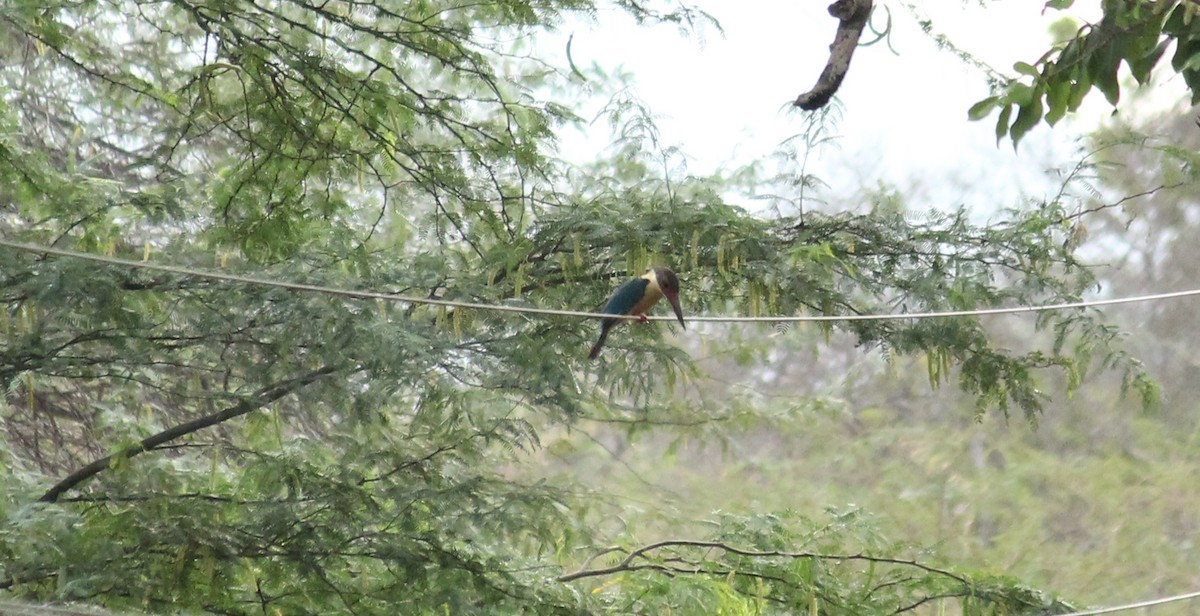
[724,97]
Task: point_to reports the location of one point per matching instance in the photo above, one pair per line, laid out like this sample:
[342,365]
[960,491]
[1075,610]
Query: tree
[183,442]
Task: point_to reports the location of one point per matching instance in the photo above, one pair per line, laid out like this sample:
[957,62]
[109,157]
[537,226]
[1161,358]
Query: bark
[853,15]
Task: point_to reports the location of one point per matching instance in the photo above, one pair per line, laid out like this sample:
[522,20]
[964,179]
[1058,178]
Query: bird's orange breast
[646,303]
[651,297]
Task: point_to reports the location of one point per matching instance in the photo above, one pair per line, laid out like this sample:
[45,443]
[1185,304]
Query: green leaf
[1002,122]
[1079,89]
[1057,100]
[1103,70]
[1142,67]
[1026,69]
[1192,78]
[1027,118]
[1020,93]
[1186,51]
[1176,23]
[980,110]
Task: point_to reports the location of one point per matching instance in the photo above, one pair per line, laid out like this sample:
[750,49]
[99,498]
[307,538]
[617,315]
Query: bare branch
[853,15]
[1122,201]
[264,397]
[627,564]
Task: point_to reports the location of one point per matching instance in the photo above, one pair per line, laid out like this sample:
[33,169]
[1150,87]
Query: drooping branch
[629,562]
[262,398]
[853,15]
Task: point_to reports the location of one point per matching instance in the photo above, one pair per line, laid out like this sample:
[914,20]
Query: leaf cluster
[1134,34]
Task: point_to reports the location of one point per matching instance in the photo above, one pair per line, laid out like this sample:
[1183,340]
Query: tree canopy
[1134,35]
[179,442]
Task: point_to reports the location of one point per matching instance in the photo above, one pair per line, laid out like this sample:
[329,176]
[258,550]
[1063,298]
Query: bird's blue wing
[626,296]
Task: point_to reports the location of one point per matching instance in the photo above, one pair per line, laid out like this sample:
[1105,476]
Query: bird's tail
[599,344]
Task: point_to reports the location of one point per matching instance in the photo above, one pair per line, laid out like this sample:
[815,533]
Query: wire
[294,286]
[1138,605]
[311,288]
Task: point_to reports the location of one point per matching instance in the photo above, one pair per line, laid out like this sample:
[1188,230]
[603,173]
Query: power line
[281,284]
[1137,606]
[311,288]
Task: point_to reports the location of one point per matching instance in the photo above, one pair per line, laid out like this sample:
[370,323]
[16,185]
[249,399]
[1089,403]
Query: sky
[724,97]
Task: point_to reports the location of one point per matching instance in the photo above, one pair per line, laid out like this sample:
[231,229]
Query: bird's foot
[642,318]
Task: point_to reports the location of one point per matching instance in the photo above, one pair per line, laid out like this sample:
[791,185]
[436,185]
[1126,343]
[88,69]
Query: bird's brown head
[668,282]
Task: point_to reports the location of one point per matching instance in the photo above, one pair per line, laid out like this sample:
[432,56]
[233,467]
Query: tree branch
[264,397]
[1104,206]
[627,564]
[853,15]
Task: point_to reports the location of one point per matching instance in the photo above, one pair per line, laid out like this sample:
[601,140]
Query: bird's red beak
[674,299]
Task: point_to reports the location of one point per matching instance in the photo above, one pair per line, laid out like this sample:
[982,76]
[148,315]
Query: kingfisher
[637,296]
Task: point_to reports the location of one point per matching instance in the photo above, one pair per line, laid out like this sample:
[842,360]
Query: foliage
[177,443]
[1136,34]
[752,568]
[1144,175]
[1103,495]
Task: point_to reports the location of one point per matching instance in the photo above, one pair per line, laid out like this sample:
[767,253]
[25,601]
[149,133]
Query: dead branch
[853,15]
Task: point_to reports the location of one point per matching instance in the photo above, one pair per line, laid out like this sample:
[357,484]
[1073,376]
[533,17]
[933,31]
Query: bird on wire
[636,297]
